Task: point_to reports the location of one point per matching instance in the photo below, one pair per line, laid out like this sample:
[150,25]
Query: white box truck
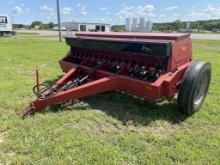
[5,24]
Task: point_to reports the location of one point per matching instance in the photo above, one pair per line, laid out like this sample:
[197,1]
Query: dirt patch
[105,128]
[2,137]
[11,154]
[162,132]
[159,130]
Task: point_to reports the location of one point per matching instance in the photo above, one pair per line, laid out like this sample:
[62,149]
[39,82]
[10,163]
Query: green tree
[178,24]
[51,25]
[36,23]
[118,28]
[194,25]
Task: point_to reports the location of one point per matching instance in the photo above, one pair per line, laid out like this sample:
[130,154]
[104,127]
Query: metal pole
[37,80]
[58,17]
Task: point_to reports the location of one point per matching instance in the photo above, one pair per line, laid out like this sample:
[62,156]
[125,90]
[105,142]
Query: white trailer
[5,24]
[86,27]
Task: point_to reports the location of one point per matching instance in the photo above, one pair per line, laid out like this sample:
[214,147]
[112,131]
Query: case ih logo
[147,50]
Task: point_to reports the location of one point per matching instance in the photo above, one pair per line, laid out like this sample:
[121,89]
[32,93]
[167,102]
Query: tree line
[39,24]
[200,25]
[210,25]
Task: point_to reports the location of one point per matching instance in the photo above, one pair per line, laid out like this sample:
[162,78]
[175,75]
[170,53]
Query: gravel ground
[206,36]
[45,33]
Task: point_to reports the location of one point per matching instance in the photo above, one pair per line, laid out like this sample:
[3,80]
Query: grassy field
[111,128]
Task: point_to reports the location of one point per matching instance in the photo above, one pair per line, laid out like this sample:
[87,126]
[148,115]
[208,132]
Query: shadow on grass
[126,108]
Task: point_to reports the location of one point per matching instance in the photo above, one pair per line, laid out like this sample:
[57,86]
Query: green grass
[29,33]
[111,128]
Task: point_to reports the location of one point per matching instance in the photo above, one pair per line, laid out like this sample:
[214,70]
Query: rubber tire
[190,84]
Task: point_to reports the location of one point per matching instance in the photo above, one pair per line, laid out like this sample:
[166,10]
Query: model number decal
[147,50]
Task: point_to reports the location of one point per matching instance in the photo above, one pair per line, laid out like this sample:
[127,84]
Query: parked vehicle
[5,24]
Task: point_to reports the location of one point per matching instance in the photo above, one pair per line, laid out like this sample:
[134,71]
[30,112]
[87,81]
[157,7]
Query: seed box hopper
[153,66]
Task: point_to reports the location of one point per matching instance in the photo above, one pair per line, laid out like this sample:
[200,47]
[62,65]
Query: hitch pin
[37,80]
